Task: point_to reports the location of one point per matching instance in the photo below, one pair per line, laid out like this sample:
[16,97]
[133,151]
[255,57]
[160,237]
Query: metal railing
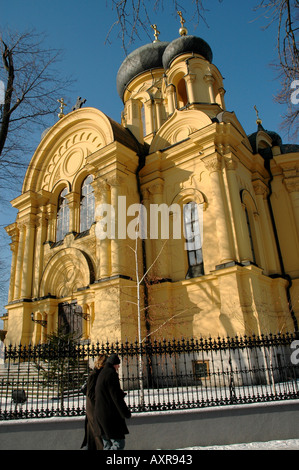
[45,380]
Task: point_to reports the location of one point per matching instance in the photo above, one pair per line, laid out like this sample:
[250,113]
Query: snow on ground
[289,444]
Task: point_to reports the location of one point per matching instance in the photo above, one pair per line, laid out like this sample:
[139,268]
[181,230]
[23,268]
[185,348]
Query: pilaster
[214,165]
[239,219]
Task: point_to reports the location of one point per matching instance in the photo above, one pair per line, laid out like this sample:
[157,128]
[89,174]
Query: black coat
[92,438]
[110,407]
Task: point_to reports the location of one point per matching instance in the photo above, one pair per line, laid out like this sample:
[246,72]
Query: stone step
[27,377]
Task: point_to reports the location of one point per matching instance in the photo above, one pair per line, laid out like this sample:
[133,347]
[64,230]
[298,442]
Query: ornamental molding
[292,184]
[260,188]
[70,157]
[212,163]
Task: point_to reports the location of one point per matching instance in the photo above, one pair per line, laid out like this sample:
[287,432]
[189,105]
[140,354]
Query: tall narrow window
[193,240]
[63,216]
[182,98]
[250,236]
[143,120]
[87,205]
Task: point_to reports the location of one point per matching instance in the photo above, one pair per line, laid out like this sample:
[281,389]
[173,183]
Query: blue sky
[242,50]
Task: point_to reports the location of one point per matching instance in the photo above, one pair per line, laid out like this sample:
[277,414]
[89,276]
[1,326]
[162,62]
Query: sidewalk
[290,444]
[235,427]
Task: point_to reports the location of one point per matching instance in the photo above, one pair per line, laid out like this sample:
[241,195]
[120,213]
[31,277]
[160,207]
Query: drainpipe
[284,275]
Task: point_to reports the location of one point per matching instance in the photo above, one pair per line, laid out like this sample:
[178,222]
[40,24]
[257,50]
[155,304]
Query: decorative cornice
[292,184]
[260,188]
[212,162]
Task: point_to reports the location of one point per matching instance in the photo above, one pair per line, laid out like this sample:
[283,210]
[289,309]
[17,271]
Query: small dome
[183,45]
[276,139]
[266,152]
[289,148]
[144,58]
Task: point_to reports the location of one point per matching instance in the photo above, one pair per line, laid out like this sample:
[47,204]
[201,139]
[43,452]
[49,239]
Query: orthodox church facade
[233,198]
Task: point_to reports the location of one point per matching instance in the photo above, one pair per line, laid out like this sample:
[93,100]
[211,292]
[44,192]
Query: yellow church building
[215,214]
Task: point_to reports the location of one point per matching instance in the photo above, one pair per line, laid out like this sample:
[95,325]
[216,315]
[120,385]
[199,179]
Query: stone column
[50,322]
[41,232]
[13,233]
[115,244]
[159,245]
[44,329]
[292,185]
[102,196]
[170,95]
[28,262]
[158,107]
[214,166]
[91,318]
[190,80]
[268,244]
[51,216]
[19,261]
[209,79]
[36,329]
[133,118]
[148,242]
[149,122]
[74,207]
[221,94]
[239,218]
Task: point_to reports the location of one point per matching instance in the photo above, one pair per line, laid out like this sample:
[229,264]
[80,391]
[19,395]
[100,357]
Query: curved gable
[178,128]
[63,151]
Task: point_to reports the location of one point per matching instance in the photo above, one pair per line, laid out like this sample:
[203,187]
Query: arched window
[193,237]
[143,120]
[250,236]
[87,205]
[63,216]
[252,222]
[181,91]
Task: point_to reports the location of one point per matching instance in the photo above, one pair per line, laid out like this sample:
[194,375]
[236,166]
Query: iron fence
[46,380]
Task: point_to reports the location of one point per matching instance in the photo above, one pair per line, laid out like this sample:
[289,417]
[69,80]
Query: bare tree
[32,85]
[135,15]
[29,87]
[285,14]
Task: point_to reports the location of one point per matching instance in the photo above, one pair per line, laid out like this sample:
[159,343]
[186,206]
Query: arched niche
[178,128]
[67,271]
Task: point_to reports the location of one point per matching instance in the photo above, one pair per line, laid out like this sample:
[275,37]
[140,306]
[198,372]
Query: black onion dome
[183,45]
[276,139]
[289,148]
[144,58]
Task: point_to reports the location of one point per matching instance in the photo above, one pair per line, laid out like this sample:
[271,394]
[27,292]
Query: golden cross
[154,26]
[183,31]
[258,121]
[62,105]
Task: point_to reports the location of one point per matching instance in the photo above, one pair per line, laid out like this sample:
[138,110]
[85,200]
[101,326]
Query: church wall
[195,152]
[116,317]
[286,226]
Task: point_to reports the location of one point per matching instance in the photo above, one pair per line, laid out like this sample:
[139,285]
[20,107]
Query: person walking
[92,437]
[111,410]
